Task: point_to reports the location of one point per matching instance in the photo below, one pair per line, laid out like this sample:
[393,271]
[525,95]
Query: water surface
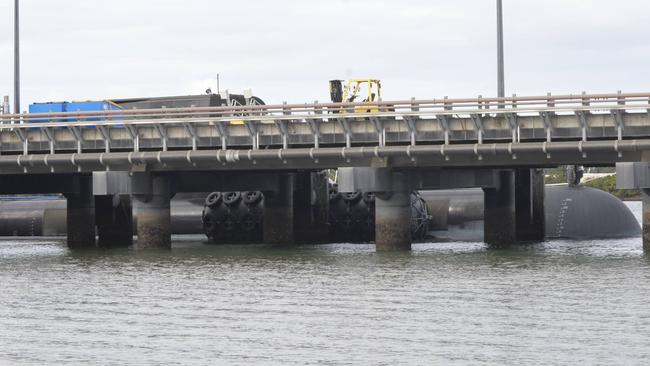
[560,302]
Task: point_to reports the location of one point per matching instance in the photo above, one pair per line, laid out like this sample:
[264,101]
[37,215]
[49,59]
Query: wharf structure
[114,164]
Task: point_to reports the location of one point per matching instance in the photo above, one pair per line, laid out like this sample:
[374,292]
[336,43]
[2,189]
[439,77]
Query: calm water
[554,303]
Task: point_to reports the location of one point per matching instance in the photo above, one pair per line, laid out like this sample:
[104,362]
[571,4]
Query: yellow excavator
[354,91]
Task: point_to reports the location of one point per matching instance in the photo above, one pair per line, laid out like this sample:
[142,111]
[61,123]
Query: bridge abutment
[81,214]
[278,224]
[114,216]
[151,203]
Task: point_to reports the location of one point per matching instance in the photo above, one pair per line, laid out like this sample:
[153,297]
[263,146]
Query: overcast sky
[288,50]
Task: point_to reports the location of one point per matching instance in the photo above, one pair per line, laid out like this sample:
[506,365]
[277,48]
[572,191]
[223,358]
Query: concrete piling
[500,213]
[311,207]
[646,220]
[393,216]
[529,205]
[279,213]
[114,221]
[152,211]
[81,214]
[514,211]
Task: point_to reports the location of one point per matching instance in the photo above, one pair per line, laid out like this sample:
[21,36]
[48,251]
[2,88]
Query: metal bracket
[106,136]
[548,124]
[162,131]
[76,132]
[345,125]
[478,123]
[284,131]
[513,121]
[619,122]
[223,133]
[444,125]
[379,128]
[133,131]
[23,138]
[411,124]
[582,118]
[255,135]
[50,138]
[192,132]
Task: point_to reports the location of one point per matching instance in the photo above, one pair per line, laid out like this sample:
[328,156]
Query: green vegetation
[608,184]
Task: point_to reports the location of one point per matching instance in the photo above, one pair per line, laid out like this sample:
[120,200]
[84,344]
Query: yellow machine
[356,89]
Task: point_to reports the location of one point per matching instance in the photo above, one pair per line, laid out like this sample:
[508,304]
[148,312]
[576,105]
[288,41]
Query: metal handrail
[206,117]
[481,104]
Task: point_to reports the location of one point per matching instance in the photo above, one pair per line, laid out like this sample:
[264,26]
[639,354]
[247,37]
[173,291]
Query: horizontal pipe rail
[189,159]
[474,104]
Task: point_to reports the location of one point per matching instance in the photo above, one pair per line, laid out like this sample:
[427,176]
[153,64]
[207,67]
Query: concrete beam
[380,179]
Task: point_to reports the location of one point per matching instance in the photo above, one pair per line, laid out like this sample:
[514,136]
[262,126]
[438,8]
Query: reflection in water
[552,303]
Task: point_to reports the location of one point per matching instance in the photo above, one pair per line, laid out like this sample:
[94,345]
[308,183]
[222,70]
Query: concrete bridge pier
[151,202]
[514,209]
[311,207]
[393,221]
[529,205]
[500,223]
[278,224]
[81,213]
[114,216]
[637,176]
[392,190]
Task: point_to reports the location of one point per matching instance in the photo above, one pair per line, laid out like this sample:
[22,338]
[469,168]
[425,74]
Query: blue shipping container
[46,108]
[93,107]
[89,106]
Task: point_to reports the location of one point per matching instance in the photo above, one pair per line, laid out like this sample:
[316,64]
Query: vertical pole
[500,56]
[16,57]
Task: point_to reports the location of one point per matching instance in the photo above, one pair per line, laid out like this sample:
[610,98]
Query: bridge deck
[548,130]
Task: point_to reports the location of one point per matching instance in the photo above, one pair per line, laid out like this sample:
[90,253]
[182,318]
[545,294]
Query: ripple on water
[560,302]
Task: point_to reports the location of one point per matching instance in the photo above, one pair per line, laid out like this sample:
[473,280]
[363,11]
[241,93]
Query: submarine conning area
[449,215]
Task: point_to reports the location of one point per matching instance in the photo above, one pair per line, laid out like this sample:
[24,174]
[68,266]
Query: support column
[500,224]
[278,213]
[311,207]
[152,210]
[637,176]
[529,205]
[81,214]
[114,221]
[393,216]
[646,219]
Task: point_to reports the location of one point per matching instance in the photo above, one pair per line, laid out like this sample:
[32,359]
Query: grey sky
[287,50]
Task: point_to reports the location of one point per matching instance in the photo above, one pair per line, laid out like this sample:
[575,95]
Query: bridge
[106,162]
